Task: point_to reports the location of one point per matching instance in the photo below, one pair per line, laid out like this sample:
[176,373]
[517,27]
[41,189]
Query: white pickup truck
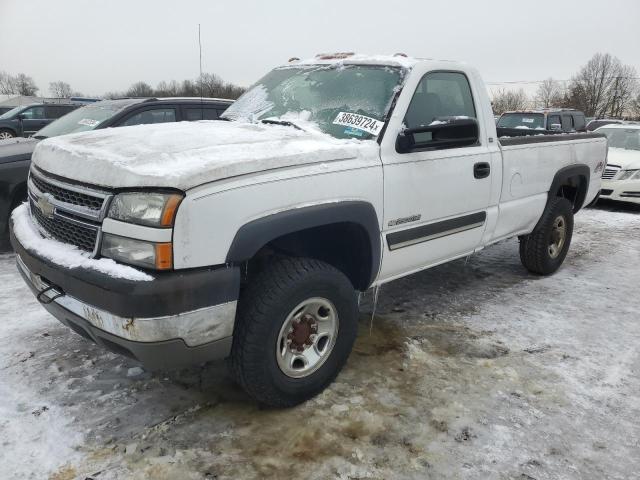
[249,238]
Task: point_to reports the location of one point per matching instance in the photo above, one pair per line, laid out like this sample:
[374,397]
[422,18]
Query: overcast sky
[106,45]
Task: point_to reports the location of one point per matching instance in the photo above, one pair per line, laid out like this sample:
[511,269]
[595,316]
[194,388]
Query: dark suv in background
[26,120]
[15,156]
[541,121]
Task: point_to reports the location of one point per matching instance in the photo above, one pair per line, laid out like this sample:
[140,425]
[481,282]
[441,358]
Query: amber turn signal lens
[169,212]
[164,256]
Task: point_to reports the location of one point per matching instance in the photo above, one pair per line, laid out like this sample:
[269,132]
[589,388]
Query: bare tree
[20,84]
[604,86]
[211,84]
[635,105]
[25,85]
[60,89]
[622,92]
[7,84]
[140,89]
[549,94]
[170,89]
[506,100]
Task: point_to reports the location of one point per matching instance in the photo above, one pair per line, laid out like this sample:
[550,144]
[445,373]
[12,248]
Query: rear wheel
[6,134]
[296,324]
[544,249]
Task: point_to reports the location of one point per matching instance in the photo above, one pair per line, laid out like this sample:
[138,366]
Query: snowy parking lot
[475,369]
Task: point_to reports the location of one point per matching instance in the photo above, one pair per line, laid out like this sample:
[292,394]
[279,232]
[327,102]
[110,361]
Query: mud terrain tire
[543,250]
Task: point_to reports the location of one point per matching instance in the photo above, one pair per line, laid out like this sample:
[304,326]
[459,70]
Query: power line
[541,81]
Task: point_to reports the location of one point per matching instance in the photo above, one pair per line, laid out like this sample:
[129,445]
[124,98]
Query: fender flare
[251,237]
[581,171]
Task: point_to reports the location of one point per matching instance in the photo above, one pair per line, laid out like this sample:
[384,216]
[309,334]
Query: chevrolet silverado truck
[249,238]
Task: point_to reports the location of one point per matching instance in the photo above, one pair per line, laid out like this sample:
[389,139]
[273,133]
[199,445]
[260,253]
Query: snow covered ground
[472,370]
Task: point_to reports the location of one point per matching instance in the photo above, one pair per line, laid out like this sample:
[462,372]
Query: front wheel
[6,134]
[296,324]
[544,249]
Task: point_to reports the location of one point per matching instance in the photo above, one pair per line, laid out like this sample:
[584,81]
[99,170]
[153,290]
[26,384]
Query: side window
[157,115]
[57,111]
[553,120]
[567,123]
[197,113]
[34,113]
[440,94]
[579,122]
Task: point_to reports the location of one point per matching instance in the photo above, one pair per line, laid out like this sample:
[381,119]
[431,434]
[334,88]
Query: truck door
[435,200]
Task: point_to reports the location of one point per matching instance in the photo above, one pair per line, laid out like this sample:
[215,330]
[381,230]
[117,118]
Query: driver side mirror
[21,116]
[444,132]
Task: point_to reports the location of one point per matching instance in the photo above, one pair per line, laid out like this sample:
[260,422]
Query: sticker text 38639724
[367,124]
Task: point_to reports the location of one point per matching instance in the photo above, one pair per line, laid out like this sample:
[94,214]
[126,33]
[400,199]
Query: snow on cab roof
[351,58]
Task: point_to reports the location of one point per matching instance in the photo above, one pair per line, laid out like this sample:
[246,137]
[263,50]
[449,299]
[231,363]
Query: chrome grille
[67,212]
[610,171]
[67,230]
[65,195]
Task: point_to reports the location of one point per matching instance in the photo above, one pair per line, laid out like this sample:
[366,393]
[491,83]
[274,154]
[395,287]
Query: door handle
[481,170]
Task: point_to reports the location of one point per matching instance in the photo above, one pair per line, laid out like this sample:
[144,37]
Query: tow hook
[46,300]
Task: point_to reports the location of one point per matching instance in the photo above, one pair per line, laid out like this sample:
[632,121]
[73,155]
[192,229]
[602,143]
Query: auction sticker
[367,124]
[88,122]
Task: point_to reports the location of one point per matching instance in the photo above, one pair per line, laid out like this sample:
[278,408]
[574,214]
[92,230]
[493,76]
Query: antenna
[200,50]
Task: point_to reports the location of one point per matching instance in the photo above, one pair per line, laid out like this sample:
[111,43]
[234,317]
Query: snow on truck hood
[627,159]
[186,154]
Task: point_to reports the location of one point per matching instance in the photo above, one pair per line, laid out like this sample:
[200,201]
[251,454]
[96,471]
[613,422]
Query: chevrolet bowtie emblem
[45,206]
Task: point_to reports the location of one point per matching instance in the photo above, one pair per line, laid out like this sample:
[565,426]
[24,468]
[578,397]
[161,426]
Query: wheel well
[574,189]
[343,245]
[9,130]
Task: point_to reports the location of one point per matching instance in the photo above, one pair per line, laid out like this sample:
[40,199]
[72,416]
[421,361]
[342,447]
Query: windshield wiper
[282,122]
[40,137]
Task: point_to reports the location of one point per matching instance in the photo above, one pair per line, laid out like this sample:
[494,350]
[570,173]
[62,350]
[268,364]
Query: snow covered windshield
[522,120]
[627,138]
[346,101]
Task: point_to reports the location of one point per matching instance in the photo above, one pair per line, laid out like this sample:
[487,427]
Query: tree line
[603,87]
[207,85]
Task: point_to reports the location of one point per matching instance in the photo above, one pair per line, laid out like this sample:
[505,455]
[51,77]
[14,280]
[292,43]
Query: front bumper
[174,320]
[621,190]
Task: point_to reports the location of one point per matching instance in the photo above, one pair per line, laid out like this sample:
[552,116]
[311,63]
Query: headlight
[158,256]
[629,175]
[145,208]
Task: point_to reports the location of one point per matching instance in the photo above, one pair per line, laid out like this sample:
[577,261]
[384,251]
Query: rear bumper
[174,320]
[621,191]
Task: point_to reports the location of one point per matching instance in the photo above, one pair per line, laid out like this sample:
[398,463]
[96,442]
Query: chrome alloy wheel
[307,337]
[5,136]
[558,236]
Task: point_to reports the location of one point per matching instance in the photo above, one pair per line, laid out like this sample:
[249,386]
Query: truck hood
[187,154]
[16,149]
[627,159]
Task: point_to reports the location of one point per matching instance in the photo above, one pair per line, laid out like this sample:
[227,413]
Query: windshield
[79,120]
[522,120]
[346,101]
[12,112]
[627,138]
